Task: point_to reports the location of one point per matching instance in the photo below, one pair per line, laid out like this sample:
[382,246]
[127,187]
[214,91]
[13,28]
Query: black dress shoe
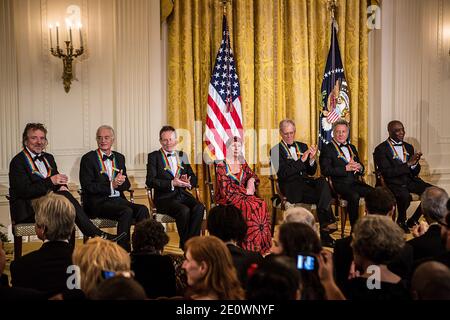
[327,240]
[403,226]
[113,237]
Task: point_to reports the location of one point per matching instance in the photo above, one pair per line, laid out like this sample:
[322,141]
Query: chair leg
[343,215]
[17,247]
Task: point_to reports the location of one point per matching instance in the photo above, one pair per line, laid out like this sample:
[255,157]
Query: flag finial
[224,5]
[332,6]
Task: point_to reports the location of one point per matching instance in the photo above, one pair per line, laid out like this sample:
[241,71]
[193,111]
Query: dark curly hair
[227,223]
[380,201]
[32,127]
[296,238]
[149,236]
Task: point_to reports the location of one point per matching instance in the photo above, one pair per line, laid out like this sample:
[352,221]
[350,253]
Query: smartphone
[306,262]
[108,274]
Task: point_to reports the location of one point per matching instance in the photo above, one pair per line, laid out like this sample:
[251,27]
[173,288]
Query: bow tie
[397,143]
[110,157]
[39,157]
[171,154]
[291,145]
[343,145]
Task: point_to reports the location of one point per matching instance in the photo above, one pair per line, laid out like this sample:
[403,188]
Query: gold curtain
[280,47]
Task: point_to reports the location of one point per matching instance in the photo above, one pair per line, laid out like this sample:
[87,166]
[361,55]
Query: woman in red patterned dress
[236,185]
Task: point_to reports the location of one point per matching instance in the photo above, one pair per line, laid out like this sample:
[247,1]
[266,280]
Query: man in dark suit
[294,163]
[33,173]
[434,206]
[170,174]
[46,269]
[399,165]
[103,178]
[339,160]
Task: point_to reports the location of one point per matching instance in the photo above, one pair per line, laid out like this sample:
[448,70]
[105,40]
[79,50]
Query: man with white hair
[103,178]
[299,214]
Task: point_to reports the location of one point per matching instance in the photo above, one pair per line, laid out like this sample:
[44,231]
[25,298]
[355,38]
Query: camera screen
[108,274]
[305,262]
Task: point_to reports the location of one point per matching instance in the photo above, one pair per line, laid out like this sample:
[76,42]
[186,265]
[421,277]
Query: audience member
[228,224]
[119,288]
[94,258]
[434,206]
[376,241]
[294,239]
[275,279]
[379,201]
[45,269]
[431,281]
[210,271]
[154,271]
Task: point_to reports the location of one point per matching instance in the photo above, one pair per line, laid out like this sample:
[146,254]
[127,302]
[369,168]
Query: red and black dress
[231,189]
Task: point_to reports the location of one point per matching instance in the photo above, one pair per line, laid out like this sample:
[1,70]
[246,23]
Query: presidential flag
[224,114]
[335,102]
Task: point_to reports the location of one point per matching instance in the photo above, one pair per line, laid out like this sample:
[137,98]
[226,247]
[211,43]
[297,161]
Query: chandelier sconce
[68,54]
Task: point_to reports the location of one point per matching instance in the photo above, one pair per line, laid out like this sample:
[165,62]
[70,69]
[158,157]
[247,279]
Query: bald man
[399,165]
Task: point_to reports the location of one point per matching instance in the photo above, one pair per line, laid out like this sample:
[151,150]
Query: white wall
[119,82]
[409,74]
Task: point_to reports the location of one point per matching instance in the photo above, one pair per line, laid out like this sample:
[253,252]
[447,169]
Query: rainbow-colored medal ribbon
[232,176]
[395,155]
[297,150]
[341,154]
[34,169]
[166,163]
[102,166]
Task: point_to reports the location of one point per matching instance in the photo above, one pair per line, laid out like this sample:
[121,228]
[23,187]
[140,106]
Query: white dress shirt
[109,171]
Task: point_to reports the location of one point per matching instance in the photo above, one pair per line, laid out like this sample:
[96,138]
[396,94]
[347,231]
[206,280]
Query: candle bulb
[57,34]
[81,36]
[70,36]
[50,31]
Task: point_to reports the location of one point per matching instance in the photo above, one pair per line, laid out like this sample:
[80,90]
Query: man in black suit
[434,206]
[33,173]
[170,174]
[339,160]
[294,162]
[399,165]
[103,178]
[46,269]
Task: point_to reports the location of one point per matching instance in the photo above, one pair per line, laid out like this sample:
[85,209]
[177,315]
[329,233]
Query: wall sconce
[69,54]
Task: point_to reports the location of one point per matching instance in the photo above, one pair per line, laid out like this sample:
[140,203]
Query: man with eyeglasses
[295,163]
[434,207]
[33,173]
[103,178]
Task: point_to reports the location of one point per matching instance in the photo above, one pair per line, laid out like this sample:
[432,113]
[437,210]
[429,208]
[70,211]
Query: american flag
[224,114]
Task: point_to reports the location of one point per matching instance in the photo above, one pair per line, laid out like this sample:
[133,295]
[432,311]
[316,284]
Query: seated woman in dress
[236,185]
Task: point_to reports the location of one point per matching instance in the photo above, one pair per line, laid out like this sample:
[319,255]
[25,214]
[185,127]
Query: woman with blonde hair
[210,271]
[94,258]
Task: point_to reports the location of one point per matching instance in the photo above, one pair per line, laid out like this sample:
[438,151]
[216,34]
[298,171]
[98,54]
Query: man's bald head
[431,281]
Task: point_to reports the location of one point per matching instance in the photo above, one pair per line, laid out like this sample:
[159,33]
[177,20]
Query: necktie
[110,157]
[39,157]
